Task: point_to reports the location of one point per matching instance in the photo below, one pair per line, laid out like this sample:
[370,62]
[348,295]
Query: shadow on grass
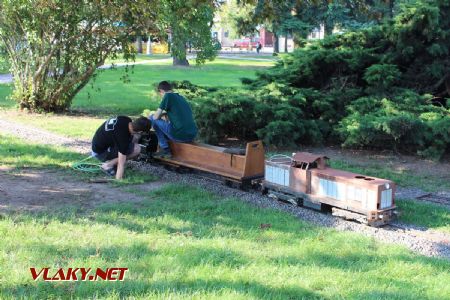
[16,153]
[163,289]
[177,231]
[173,235]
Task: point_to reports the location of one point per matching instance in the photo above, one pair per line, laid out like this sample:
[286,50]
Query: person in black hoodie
[113,143]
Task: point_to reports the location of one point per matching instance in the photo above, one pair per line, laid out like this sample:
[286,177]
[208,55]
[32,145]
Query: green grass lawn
[110,95]
[5,102]
[184,243]
[75,126]
[138,58]
[424,214]
[18,154]
[132,98]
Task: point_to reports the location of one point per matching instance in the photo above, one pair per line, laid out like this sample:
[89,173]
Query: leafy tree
[189,21]
[382,87]
[55,46]
[233,16]
[300,17]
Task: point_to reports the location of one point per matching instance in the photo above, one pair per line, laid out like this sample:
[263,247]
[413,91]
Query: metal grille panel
[386,198]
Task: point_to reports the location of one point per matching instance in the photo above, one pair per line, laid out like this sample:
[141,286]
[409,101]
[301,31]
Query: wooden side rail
[213,159]
[254,159]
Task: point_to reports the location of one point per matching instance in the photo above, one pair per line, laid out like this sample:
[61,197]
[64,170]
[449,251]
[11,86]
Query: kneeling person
[181,125]
[113,142]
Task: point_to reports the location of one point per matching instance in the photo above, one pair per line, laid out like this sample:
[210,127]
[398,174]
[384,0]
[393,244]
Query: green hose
[84,166]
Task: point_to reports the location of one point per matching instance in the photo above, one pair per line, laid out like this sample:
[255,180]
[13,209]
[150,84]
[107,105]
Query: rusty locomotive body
[303,179]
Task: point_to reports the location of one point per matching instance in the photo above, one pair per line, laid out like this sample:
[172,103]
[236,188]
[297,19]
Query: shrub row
[405,122]
[385,87]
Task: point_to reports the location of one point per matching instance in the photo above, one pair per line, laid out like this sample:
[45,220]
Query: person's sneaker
[163,153]
[110,172]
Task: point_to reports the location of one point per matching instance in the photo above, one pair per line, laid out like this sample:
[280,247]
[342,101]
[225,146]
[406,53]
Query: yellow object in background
[157,48]
[160,48]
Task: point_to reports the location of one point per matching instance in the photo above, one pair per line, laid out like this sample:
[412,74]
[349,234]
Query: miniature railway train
[303,179]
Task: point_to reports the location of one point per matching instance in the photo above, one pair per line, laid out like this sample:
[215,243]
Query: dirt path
[35,190]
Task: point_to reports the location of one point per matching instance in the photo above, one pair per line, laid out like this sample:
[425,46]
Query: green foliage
[181,242]
[189,22]
[367,88]
[381,76]
[55,46]
[299,17]
[407,122]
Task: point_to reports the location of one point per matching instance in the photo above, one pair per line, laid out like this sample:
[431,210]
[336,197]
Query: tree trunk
[180,62]
[328,28]
[447,85]
[294,42]
[149,46]
[276,45]
[286,43]
[139,44]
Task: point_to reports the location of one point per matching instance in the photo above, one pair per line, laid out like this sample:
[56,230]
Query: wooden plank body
[213,159]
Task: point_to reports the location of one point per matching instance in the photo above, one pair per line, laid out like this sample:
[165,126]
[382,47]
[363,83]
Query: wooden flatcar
[305,179]
[236,165]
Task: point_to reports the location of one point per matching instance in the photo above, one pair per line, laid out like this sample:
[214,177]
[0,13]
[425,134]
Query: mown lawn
[138,58]
[75,126]
[109,94]
[132,98]
[17,154]
[428,215]
[182,242]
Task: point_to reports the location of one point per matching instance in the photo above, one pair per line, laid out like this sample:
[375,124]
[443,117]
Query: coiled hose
[85,166]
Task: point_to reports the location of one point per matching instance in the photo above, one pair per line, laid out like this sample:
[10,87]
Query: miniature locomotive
[303,179]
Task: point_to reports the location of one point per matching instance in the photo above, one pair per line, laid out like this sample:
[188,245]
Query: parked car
[246,43]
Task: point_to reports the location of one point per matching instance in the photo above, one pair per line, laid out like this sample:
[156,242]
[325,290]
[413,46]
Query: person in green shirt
[181,125]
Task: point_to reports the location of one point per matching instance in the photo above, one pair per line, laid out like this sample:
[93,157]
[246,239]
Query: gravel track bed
[418,239]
